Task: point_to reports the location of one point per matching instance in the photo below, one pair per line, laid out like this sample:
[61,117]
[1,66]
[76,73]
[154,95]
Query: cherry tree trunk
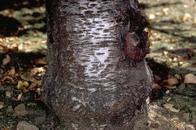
[87,84]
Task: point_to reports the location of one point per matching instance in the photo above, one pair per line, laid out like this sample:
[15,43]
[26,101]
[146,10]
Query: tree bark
[86,84]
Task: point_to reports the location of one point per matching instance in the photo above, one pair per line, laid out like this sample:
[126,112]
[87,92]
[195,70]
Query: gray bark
[86,84]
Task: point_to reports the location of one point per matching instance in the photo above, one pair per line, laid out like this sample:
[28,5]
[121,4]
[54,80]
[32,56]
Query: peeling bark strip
[86,85]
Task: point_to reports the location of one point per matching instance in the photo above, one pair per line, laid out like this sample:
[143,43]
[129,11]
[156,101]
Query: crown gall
[135,47]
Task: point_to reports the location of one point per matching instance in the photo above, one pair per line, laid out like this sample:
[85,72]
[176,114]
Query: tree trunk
[87,84]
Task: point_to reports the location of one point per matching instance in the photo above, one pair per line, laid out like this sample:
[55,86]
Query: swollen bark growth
[86,84]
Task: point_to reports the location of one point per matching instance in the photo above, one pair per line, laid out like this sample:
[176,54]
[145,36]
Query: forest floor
[173,62]
[23,61]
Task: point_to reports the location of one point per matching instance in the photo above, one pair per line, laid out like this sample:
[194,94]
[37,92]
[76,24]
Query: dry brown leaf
[190,79]
[6,60]
[5,129]
[11,72]
[180,126]
[20,110]
[170,87]
[157,78]
[37,70]
[40,62]
[33,86]
[172,81]
[156,86]
[1,105]
[194,20]
[9,76]
[178,76]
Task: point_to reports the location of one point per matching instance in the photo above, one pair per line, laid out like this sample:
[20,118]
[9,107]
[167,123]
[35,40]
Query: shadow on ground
[19,17]
[18,4]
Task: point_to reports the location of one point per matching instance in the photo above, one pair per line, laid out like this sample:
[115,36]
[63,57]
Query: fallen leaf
[9,109]
[165,10]
[11,72]
[5,129]
[22,84]
[180,126]
[25,84]
[1,105]
[171,107]
[19,85]
[156,86]
[8,94]
[165,53]
[37,70]
[19,97]
[172,81]
[20,110]
[189,127]
[178,76]
[6,60]
[157,78]
[186,17]
[33,86]
[151,16]
[7,78]
[38,90]
[186,116]
[23,125]
[194,20]
[40,62]
[170,87]
[154,124]
[190,79]
[20,47]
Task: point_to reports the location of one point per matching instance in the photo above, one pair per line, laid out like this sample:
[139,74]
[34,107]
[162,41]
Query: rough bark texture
[87,85]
